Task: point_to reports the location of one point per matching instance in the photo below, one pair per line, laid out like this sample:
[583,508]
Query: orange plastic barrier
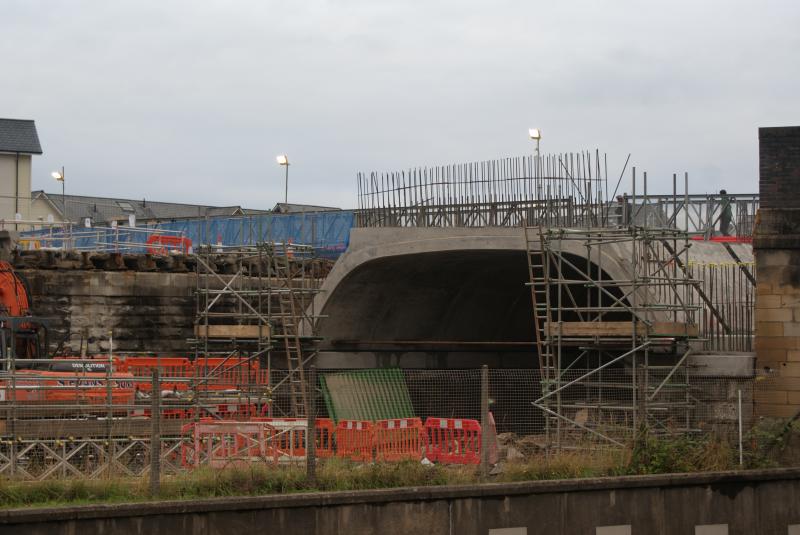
[399,439]
[283,440]
[325,433]
[223,443]
[169,368]
[161,244]
[453,441]
[290,438]
[231,373]
[354,440]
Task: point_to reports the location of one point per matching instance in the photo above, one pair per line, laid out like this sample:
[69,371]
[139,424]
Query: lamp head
[535,133]
[58,176]
[282,159]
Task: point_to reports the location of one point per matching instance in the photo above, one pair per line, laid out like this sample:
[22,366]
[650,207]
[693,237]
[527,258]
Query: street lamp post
[60,177]
[283,160]
[536,134]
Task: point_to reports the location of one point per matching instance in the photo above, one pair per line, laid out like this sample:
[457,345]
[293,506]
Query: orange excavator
[22,336]
[24,342]
[14,298]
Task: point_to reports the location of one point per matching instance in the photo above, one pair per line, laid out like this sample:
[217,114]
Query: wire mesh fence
[98,422]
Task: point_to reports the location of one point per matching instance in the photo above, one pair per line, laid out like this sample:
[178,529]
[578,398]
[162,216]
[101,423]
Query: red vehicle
[89,388]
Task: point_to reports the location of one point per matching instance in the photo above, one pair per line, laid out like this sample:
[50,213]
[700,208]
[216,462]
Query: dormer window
[126,206]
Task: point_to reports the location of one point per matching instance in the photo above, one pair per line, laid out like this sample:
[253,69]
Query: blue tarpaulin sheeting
[328,232]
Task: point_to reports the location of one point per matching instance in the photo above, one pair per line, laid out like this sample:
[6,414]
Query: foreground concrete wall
[763,502]
[776,244]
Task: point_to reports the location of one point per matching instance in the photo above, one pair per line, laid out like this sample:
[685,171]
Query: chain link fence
[95,421]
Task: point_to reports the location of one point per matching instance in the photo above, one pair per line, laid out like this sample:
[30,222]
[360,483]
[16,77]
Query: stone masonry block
[786,384]
[768,301]
[764,288]
[790,369]
[769,328]
[784,369]
[791,328]
[790,299]
[774,257]
[771,355]
[778,314]
[771,410]
[777,342]
[771,396]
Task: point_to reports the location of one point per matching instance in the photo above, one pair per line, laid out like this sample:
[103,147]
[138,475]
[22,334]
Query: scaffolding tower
[615,312]
[254,304]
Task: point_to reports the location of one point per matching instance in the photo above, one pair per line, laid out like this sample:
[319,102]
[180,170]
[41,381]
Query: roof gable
[103,209]
[19,135]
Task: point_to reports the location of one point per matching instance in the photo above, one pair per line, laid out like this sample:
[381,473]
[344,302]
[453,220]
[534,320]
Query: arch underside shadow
[448,309]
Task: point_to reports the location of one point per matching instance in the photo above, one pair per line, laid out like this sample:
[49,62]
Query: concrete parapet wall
[742,502]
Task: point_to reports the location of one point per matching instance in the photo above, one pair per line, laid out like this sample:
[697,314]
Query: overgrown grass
[60,492]
[659,455]
[566,465]
[253,480]
[648,455]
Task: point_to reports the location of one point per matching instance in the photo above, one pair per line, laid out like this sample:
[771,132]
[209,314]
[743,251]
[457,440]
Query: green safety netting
[366,395]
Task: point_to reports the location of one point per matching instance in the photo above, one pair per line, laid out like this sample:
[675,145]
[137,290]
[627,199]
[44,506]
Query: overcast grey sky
[191,101]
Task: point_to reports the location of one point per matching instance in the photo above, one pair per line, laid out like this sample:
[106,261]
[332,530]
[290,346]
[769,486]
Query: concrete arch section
[445,297]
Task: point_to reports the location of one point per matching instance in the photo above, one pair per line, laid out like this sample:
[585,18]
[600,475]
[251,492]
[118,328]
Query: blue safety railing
[328,232]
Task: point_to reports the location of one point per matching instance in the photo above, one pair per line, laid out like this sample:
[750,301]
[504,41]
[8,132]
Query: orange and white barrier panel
[163,244]
[230,373]
[275,440]
[354,440]
[223,443]
[399,439]
[453,440]
[445,440]
[168,367]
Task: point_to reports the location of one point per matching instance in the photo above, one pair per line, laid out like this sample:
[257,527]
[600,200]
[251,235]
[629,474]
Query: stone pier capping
[776,247]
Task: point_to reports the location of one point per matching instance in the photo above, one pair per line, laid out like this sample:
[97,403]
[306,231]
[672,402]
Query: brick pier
[776,247]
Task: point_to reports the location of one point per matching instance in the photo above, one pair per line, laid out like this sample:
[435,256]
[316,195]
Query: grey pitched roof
[283,208]
[19,135]
[105,209]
